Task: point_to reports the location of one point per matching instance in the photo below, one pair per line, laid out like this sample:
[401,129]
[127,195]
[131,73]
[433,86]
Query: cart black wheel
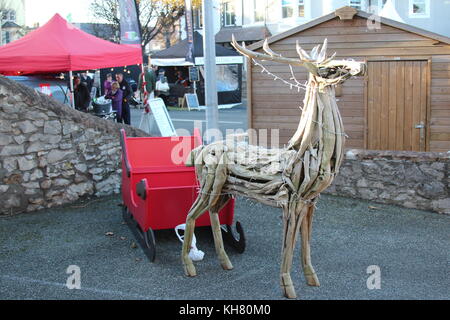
[150,242]
[126,214]
[238,243]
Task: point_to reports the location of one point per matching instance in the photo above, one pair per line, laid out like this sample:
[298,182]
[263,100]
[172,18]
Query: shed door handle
[420,126]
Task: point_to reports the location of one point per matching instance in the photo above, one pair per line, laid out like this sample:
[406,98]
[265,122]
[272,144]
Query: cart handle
[141,189]
[123,137]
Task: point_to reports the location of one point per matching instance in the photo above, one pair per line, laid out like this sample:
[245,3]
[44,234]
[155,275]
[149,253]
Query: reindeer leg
[306,228]
[217,233]
[201,204]
[291,224]
[199,207]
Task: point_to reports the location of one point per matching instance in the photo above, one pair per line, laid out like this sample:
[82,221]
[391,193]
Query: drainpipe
[242,13]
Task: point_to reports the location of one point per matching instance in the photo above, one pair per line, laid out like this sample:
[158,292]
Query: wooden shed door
[397,105]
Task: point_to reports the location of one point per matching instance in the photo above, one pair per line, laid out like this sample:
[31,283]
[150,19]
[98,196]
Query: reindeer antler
[314,61]
[309,61]
[272,56]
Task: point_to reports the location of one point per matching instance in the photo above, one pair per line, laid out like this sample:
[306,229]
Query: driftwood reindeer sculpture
[291,178]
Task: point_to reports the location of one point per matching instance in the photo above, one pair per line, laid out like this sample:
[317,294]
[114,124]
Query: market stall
[58,47]
[228,63]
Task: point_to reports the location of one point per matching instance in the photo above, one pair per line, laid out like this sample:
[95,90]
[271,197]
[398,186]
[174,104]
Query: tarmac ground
[409,248]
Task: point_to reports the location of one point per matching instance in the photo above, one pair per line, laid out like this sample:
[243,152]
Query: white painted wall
[438,21]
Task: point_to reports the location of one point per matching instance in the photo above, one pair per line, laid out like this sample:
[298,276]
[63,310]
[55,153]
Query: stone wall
[51,154]
[410,179]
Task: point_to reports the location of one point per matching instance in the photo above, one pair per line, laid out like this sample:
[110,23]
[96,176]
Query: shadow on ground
[411,248]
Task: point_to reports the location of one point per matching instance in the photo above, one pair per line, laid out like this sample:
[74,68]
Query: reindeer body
[291,178]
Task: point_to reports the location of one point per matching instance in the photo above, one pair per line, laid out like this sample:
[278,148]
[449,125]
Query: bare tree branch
[156,16]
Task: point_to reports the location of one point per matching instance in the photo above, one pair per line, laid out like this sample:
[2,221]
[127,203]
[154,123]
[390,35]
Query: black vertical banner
[129,24]
[189,32]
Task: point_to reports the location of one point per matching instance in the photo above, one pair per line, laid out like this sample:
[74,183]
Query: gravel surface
[411,248]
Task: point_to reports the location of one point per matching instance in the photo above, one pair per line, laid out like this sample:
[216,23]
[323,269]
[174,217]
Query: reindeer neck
[309,129]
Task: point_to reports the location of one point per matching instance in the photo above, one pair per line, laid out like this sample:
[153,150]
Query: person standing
[87,81]
[150,82]
[82,98]
[126,92]
[116,96]
[180,79]
[107,84]
[162,89]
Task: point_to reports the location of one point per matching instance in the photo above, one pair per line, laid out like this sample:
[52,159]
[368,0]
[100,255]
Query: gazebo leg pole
[72,100]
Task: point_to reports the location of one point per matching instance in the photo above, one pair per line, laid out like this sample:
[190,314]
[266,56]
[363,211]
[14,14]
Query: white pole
[1,26]
[72,98]
[209,53]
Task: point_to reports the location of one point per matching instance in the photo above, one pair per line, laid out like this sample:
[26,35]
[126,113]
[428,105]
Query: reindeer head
[325,70]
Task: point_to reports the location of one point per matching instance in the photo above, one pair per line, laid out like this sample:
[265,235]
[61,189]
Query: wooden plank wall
[440,104]
[275,105]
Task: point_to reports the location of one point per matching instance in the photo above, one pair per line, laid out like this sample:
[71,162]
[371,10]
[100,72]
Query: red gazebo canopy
[58,46]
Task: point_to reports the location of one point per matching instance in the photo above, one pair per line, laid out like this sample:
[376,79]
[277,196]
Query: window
[6,37]
[260,10]
[9,15]
[198,18]
[357,4]
[287,7]
[375,6]
[301,8]
[419,8]
[12,15]
[293,8]
[228,14]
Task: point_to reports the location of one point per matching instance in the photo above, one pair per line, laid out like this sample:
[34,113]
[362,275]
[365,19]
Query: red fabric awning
[58,46]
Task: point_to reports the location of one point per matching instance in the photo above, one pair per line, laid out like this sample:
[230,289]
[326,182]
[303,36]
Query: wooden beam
[428,116]
[249,97]
[346,13]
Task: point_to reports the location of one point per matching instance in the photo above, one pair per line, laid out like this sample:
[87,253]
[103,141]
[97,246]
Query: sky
[42,10]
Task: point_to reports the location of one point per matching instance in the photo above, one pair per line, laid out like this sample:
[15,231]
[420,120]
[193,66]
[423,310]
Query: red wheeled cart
[158,189]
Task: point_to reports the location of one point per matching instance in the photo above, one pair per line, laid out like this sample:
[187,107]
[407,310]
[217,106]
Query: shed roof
[242,34]
[359,13]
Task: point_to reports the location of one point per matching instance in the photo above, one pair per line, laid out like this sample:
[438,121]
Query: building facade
[12,20]
[280,15]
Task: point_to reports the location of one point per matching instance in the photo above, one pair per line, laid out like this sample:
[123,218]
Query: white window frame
[365,5]
[307,10]
[419,15]
[6,35]
[224,13]
[254,12]
[197,14]
[362,5]
[12,15]
[378,8]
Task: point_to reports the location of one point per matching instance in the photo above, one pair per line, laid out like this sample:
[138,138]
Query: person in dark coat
[127,92]
[116,96]
[82,98]
[87,81]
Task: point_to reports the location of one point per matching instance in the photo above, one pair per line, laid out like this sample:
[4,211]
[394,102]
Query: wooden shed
[402,104]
